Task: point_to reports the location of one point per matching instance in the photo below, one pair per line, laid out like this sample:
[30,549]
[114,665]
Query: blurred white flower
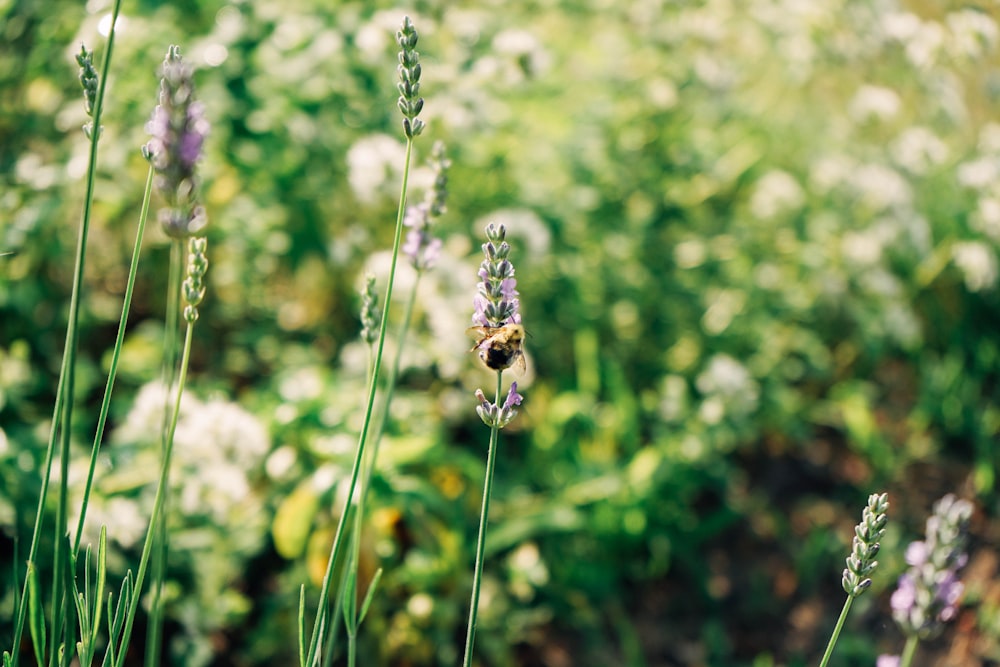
[830,171]
[373,163]
[521,54]
[861,248]
[690,254]
[727,387]
[978,264]
[973,32]
[881,187]
[989,138]
[902,324]
[901,26]
[924,46]
[986,217]
[917,149]
[220,431]
[673,398]
[125,519]
[979,174]
[775,192]
[874,103]
[144,423]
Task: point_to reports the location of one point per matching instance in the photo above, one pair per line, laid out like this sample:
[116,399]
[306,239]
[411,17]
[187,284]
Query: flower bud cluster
[369,311]
[410,102]
[194,283]
[178,128]
[496,302]
[89,80]
[928,593]
[498,416]
[865,546]
[422,248]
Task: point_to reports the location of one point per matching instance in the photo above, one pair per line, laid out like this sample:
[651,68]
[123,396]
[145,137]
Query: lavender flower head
[89,80]
[865,546]
[421,247]
[178,128]
[496,302]
[496,305]
[928,593]
[501,415]
[410,103]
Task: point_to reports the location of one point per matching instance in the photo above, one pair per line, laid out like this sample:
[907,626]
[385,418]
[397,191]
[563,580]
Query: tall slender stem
[175,276]
[324,598]
[483,519]
[115,357]
[909,651]
[161,494]
[836,631]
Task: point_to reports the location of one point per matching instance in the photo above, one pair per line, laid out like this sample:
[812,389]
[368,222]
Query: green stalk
[63,408]
[836,631]
[483,518]
[175,275]
[324,598]
[157,514]
[115,357]
[352,566]
[909,651]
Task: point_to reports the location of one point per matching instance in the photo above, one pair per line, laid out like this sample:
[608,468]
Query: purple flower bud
[513,398]
[178,129]
[928,593]
[496,302]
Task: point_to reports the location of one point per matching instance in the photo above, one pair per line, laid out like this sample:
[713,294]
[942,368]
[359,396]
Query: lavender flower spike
[928,593]
[865,546]
[499,416]
[497,320]
[422,248]
[410,103]
[496,302]
[178,128]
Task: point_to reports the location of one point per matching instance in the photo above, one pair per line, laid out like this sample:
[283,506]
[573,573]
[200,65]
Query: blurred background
[756,244]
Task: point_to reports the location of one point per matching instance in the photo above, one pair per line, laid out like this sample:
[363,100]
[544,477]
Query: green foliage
[757,256]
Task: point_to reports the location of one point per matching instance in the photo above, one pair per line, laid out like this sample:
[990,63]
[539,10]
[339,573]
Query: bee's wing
[480,332]
[520,366]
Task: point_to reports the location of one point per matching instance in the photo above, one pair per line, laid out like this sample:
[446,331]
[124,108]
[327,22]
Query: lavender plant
[94,87]
[178,129]
[861,563]
[422,250]
[497,320]
[410,104]
[928,593]
[194,293]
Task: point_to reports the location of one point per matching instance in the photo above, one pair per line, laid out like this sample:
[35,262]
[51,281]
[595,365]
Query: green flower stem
[836,631]
[157,515]
[909,651]
[115,357]
[390,385]
[175,276]
[324,598]
[483,518]
[350,606]
[62,410]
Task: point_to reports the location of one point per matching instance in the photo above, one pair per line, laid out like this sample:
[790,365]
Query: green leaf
[369,595]
[302,626]
[102,579]
[36,621]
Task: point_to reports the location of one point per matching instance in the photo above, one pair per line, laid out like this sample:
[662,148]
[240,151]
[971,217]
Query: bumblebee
[500,347]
